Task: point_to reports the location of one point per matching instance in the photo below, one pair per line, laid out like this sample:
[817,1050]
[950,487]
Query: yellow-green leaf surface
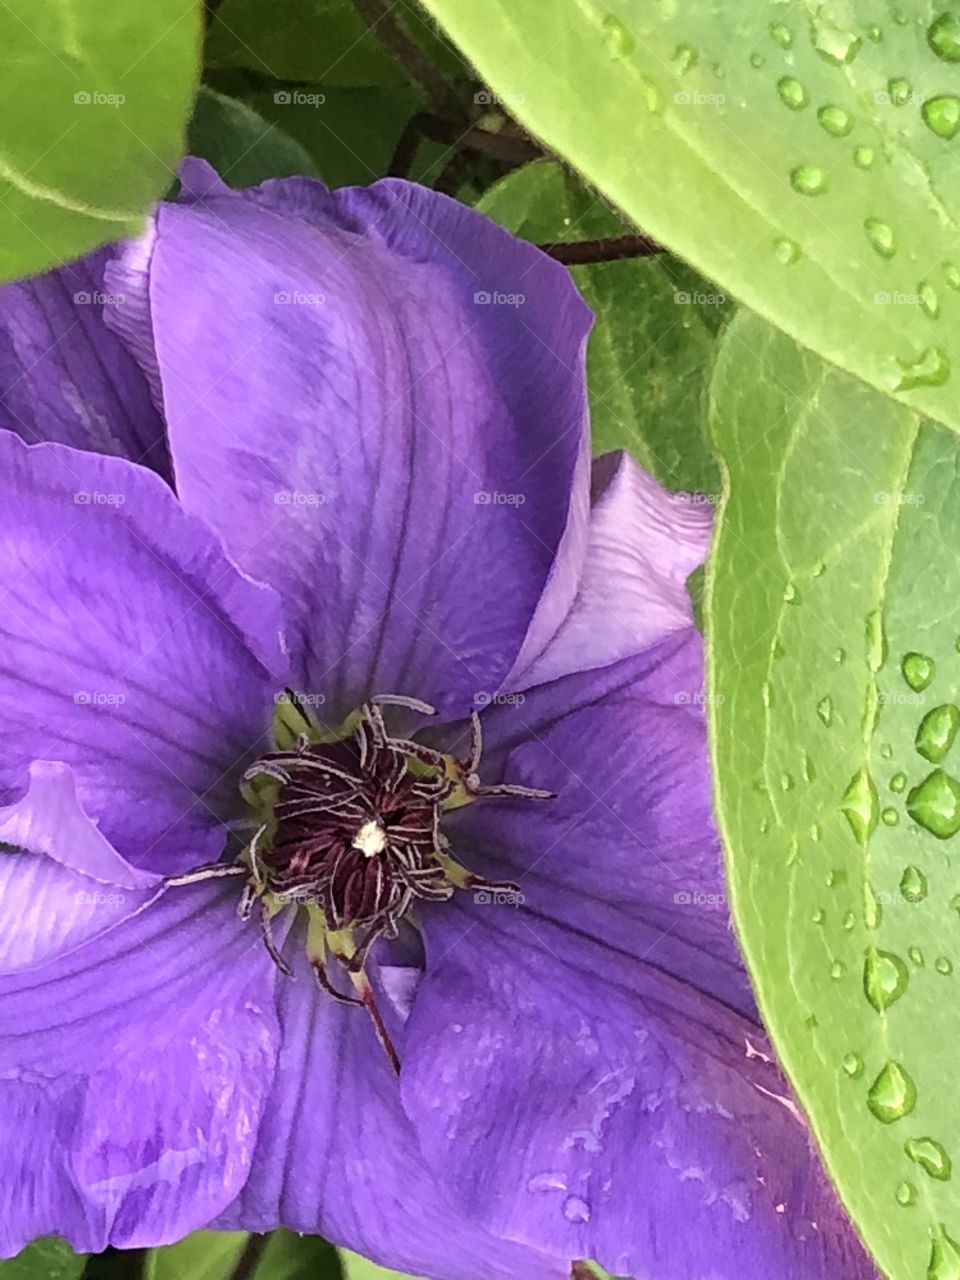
[94,98]
[803,155]
[833,624]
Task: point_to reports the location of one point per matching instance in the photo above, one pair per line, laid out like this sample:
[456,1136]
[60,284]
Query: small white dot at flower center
[371,839]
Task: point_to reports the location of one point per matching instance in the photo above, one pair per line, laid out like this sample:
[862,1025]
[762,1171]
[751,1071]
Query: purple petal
[628,850]
[337,1156]
[70,885]
[133,1081]
[368,438]
[644,543]
[598,1107]
[65,377]
[130,649]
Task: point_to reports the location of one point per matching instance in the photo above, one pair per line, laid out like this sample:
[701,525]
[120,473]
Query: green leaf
[214,1255]
[243,147]
[316,41]
[357,1268]
[95,98]
[657,321]
[45,1259]
[710,123]
[833,617]
[350,134]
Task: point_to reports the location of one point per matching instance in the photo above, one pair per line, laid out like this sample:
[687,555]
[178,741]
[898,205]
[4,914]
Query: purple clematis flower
[308,601]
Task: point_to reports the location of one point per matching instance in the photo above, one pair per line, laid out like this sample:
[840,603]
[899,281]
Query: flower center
[348,825]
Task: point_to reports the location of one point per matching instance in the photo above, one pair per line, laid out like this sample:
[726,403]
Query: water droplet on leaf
[913,884]
[833,43]
[880,234]
[943,965]
[929,299]
[792,93]
[617,40]
[944,1261]
[787,251]
[935,804]
[943,36]
[951,273]
[942,115]
[781,35]
[884,978]
[916,956]
[860,804]
[684,57]
[890,817]
[825,709]
[836,121]
[853,1064]
[809,180]
[918,670]
[906,1194]
[931,370]
[863,157]
[898,782]
[892,1095]
[937,732]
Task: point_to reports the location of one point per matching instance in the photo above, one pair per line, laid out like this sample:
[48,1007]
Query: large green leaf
[833,617]
[94,98]
[796,153]
[215,1255]
[656,327]
[357,1268]
[242,146]
[46,1259]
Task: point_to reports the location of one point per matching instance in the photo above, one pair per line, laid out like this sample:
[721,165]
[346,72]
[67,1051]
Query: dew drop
[764,826]
[834,44]
[835,877]
[835,120]
[916,957]
[872,911]
[937,732]
[951,273]
[884,978]
[892,1095]
[941,115]
[887,751]
[898,782]
[790,594]
[943,37]
[787,251]
[839,655]
[929,299]
[918,670]
[819,916]
[792,93]
[860,805]
[928,1153]
[757,60]
[874,33]
[931,370]
[889,817]
[944,1261]
[809,769]
[786,782]
[906,1194]
[943,965]
[816,832]
[576,1210]
[781,35]
[852,1064]
[913,884]
[837,969]
[863,157]
[876,640]
[955,903]
[899,90]
[849,920]
[880,234]
[825,709]
[935,804]
[766,694]
[684,57]
[809,180]
[617,40]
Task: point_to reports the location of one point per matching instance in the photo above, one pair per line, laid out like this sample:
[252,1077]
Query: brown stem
[249,1260]
[401,46]
[578,253]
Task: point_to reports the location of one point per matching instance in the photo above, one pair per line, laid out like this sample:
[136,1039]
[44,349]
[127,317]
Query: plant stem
[578,253]
[405,51]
